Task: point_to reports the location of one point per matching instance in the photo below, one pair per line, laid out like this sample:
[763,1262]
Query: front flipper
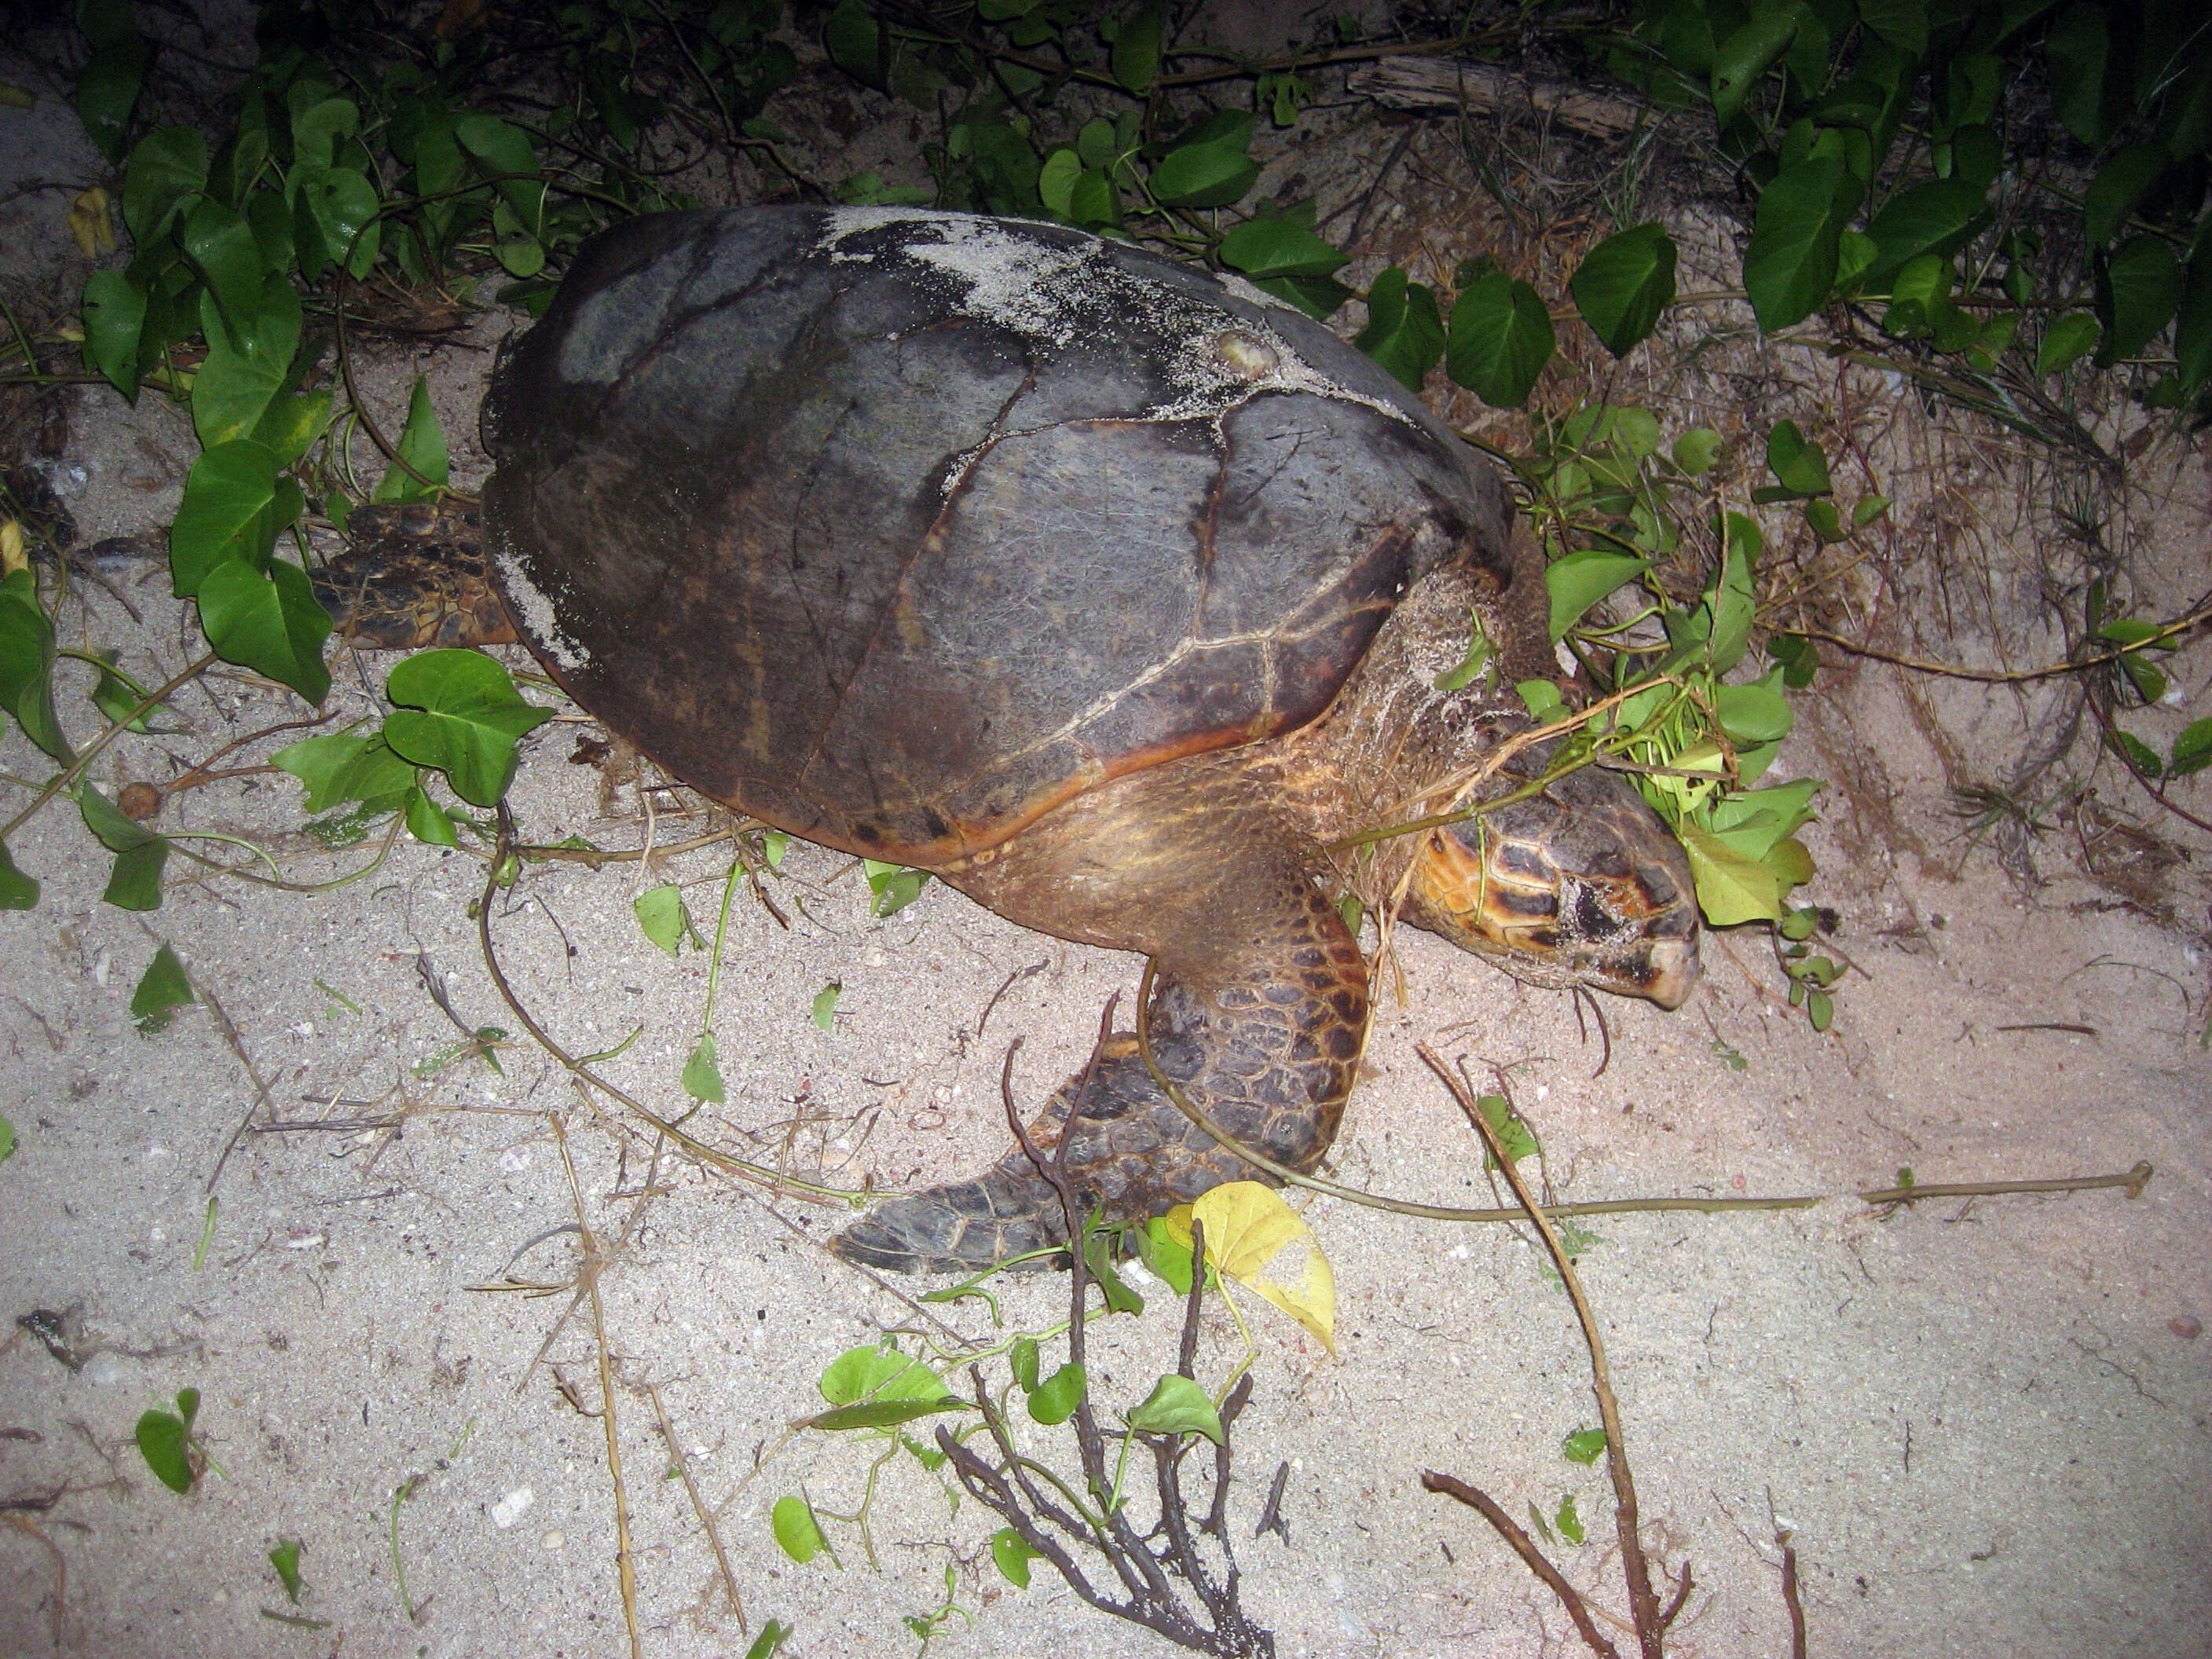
[1258,1016]
[415,577]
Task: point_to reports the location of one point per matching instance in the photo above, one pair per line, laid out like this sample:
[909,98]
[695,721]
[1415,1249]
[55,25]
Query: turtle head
[1580,885]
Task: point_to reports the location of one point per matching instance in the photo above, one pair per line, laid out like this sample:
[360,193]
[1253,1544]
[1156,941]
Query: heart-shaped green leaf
[27,664]
[1903,23]
[1059,1395]
[268,621]
[167,168]
[107,86]
[1057,181]
[1204,175]
[345,766]
[134,883]
[1624,283]
[114,315]
[662,914]
[2192,750]
[422,446]
[460,712]
[1732,601]
[2076,51]
[2120,184]
[879,1371]
[1791,261]
[1731,888]
[2068,340]
[1749,52]
[1278,248]
[223,251]
[1135,58]
[502,150]
[1796,461]
[798,1534]
[1752,714]
[1177,1405]
[1937,217]
[230,497]
[427,821]
[1317,296]
[162,990]
[2138,290]
[342,204]
[249,353]
[1499,340]
[316,129]
[17,891]
[1013,1555]
[1405,332]
[290,426]
[1580,579]
[1583,1446]
[163,1438]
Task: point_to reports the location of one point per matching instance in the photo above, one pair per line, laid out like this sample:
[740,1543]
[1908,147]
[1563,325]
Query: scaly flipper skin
[414,578]
[1259,1015]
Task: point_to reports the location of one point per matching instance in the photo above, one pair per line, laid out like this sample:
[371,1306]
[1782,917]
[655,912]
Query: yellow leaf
[88,223]
[14,97]
[11,548]
[1250,1229]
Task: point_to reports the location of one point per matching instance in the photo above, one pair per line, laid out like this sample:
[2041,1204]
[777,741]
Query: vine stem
[1289,1177]
[2009,677]
[625,1552]
[62,778]
[774,1180]
[721,931]
[1643,1600]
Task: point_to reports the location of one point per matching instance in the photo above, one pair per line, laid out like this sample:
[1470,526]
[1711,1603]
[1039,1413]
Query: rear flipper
[416,576]
[1268,1053]
[1134,1152]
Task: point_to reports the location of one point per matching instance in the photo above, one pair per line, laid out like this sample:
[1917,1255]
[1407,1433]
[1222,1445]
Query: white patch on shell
[1053,295]
[535,610]
[1031,286]
[1251,293]
[840,222]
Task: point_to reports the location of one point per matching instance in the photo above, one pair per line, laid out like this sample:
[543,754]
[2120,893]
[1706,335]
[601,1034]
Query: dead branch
[1525,1548]
[1643,1599]
[1454,84]
[1149,1597]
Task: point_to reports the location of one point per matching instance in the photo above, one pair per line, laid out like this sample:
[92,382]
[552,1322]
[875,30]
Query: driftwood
[1455,83]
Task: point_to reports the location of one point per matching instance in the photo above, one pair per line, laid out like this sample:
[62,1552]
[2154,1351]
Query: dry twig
[1012,1490]
[1649,1619]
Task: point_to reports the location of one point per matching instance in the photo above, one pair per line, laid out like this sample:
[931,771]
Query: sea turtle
[1112,591]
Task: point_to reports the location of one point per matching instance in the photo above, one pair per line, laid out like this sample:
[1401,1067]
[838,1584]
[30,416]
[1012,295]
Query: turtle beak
[1673,964]
[1581,885]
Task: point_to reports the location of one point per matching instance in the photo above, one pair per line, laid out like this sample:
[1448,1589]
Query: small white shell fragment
[509,1509]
